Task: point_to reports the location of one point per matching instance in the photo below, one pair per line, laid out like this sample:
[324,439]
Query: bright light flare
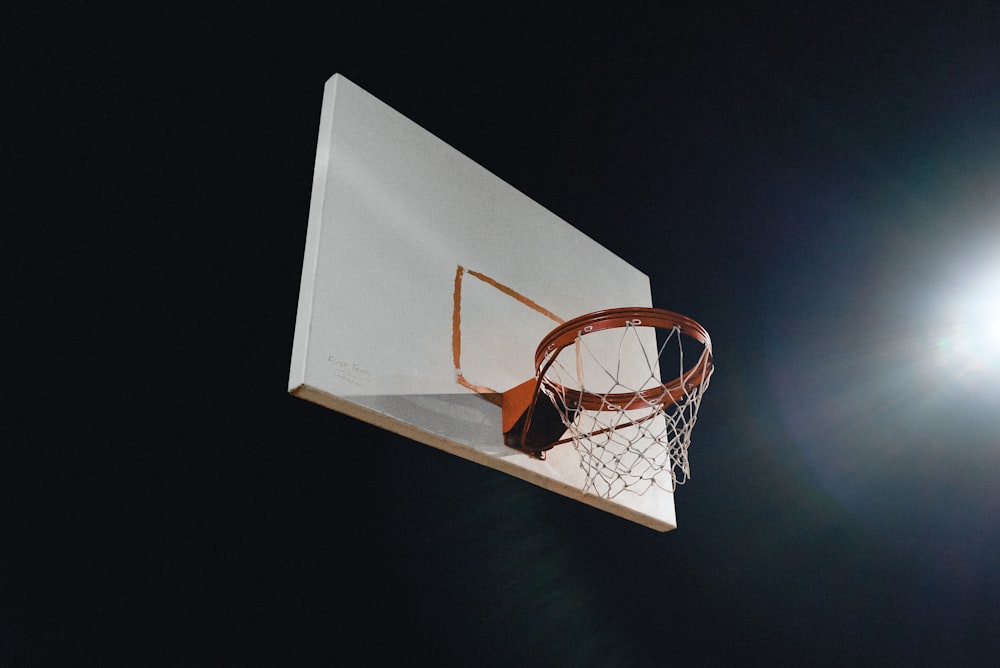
[968,341]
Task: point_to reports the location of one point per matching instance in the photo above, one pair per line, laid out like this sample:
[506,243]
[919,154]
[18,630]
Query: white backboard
[427,284]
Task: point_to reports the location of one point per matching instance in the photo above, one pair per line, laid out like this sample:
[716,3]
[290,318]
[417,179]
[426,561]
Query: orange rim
[673,391]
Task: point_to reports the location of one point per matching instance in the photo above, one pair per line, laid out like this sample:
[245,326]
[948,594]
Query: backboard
[427,285]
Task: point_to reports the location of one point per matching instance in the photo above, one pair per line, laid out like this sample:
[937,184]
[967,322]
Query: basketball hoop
[601,374]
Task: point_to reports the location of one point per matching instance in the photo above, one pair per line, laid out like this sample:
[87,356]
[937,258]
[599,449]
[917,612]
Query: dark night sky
[819,187]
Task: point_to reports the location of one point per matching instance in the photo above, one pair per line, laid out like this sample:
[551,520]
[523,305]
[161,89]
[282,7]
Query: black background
[806,181]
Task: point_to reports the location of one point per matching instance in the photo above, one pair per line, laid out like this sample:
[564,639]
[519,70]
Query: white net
[631,430]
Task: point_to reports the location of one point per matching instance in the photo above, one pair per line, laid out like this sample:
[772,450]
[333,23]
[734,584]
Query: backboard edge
[388,423]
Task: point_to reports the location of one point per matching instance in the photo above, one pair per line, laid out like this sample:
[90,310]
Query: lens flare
[967,340]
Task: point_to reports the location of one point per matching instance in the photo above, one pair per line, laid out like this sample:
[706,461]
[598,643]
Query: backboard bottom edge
[382,421]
